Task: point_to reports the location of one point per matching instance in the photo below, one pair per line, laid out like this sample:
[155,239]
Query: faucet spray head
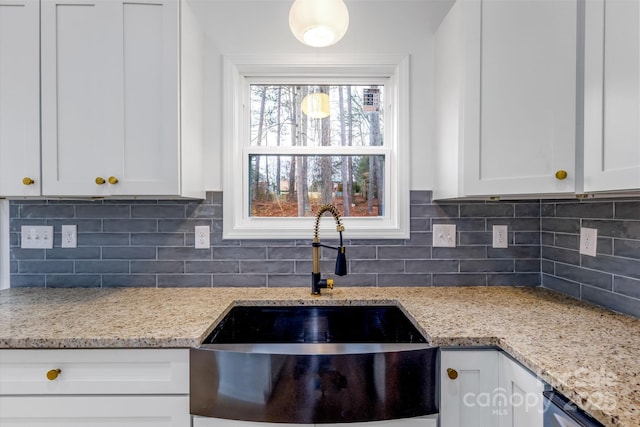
[341,262]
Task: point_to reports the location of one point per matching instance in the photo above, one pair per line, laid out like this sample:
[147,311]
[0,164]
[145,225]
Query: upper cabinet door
[506,95]
[81,96]
[612,95]
[110,108]
[520,97]
[150,140]
[19,98]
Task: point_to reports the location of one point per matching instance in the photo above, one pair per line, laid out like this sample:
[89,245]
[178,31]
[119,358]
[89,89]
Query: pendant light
[318,23]
[316,105]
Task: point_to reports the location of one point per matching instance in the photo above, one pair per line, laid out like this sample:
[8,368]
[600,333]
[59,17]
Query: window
[299,133]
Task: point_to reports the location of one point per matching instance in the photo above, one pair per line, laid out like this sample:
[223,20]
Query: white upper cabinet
[506,98]
[20,98]
[612,95]
[115,82]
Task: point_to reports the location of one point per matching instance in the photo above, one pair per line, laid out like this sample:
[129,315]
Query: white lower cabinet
[426,421]
[485,388]
[103,411]
[522,395]
[467,381]
[105,387]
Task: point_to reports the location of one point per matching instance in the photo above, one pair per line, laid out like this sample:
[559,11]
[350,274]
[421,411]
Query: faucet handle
[329,283]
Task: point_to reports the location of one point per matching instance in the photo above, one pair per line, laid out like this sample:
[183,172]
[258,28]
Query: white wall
[376,26]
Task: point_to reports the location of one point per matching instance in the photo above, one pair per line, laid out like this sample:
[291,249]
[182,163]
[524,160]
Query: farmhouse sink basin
[313,364]
[315,324]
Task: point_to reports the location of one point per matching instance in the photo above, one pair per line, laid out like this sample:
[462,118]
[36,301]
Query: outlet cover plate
[36,237]
[202,237]
[444,235]
[588,241]
[501,236]
[69,236]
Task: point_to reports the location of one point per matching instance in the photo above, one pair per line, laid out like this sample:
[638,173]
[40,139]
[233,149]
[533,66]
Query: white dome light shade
[319,23]
[316,105]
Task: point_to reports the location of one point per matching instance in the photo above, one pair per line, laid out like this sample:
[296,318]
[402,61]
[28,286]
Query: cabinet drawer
[100,371]
[110,411]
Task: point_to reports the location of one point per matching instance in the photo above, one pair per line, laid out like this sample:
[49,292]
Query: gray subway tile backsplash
[150,243]
[610,279]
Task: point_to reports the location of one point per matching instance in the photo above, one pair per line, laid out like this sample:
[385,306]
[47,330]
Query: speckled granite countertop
[589,354]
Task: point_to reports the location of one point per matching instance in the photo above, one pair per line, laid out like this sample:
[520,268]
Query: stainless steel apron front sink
[314,364]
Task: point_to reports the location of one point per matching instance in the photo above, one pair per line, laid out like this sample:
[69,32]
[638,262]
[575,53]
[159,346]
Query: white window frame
[240,71]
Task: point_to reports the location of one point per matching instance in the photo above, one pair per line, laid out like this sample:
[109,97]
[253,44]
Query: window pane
[295,186]
[292,115]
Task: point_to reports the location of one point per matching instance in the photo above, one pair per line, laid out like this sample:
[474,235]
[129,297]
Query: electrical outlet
[588,241]
[500,236]
[202,237]
[36,236]
[69,236]
[444,235]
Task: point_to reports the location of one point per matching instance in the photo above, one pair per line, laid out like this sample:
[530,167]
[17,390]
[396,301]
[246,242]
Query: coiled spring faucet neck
[317,282]
[336,215]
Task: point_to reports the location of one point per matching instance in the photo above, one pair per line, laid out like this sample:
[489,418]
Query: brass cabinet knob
[100,180]
[113,180]
[452,373]
[53,374]
[561,174]
[28,181]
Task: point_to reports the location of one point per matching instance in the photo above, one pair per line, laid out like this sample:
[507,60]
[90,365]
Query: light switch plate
[202,237]
[36,237]
[500,236]
[588,241]
[444,235]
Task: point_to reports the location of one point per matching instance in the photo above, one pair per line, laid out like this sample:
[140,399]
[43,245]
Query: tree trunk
[301,161]
[350,185]
[278,132]
[295,123]
[376,176]
[256,180]
[326,168]
[344,166]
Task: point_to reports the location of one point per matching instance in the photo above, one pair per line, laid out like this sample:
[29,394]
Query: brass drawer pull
[452,373]
[561,174]
[53,374]
[113,180]
[100,180]
[28,181]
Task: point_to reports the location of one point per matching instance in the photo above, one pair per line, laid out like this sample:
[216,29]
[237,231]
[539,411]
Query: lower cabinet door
[522,395]
[95,411]
[468,385]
